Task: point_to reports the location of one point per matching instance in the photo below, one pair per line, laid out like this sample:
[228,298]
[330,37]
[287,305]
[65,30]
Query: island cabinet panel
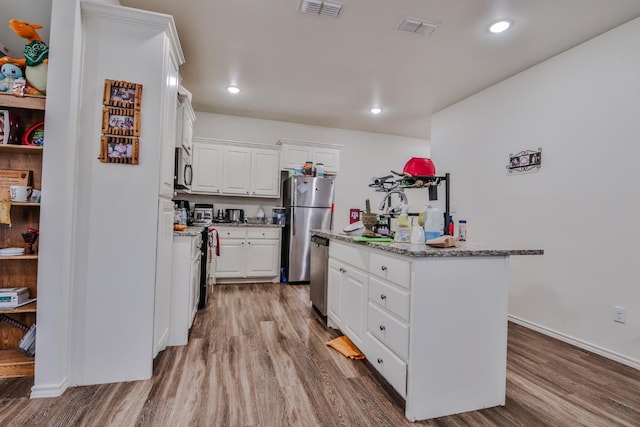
[435,327]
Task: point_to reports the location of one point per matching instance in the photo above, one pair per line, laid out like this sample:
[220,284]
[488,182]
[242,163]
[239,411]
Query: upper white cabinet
[235,169]
[185,117]
[294,154]
[265,173]
[207,168]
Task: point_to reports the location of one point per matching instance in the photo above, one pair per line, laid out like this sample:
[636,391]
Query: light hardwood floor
[257,357]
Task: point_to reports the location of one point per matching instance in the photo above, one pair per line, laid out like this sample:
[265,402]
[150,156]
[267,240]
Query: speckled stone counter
[190,231]
[420,251]
[237,224]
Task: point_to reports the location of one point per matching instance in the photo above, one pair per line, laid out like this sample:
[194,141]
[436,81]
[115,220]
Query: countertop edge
[423,251]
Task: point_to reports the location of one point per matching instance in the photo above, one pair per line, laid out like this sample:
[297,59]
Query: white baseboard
[51,390]
[578,343]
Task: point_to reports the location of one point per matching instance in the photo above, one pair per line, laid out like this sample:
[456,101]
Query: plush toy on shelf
[8,74]
[36,56]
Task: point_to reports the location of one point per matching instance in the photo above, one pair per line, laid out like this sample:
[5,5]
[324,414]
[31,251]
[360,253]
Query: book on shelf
[12,297]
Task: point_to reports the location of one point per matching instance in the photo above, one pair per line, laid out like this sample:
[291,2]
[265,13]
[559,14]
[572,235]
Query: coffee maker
[185,204]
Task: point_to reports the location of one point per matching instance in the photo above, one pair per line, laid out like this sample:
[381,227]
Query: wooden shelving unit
[32,307]
[22,270]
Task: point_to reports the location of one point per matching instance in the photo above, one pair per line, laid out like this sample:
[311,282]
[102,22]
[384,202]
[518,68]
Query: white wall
[363,155]
[57,212]
[582,108]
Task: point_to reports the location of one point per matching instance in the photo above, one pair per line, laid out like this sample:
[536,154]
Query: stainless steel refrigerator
[309,204]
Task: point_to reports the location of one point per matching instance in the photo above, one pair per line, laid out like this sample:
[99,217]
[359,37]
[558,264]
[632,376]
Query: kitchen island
[432,322]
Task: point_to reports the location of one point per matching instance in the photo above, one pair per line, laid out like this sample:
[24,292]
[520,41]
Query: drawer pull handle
[383,268]
[383,296]
[379,360]
[382,327]
[342,270]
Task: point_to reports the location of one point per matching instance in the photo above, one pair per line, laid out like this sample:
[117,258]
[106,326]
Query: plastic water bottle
[462,229]
[434,224]
[320,170]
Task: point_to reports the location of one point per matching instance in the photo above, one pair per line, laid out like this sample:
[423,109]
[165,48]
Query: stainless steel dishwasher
[318,273]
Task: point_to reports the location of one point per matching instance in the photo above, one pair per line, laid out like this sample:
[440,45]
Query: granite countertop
[192,230]
[421,251]
[237,224]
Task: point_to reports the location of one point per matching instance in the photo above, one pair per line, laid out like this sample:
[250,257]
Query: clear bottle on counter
[320,170]
[183,216]
[462,229]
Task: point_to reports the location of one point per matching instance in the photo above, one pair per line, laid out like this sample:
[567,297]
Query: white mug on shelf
[20,193]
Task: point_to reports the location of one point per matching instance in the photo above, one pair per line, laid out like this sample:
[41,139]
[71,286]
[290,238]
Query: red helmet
[419,166]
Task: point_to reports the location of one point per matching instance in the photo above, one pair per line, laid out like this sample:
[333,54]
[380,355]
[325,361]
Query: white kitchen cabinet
[124,262]
[235,169]
[265,173]
[441,364]
[348,288]
[162,296]
[185,289]
[248,254]
[294,154]
[207,168]
[185,116]
[334,293]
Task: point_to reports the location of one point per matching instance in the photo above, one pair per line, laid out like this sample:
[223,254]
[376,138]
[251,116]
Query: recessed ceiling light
[376,110]
[233,89]
[500,26]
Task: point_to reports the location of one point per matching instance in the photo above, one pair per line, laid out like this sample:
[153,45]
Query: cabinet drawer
[263,233]
[352,255]
[388,364]
[232,233]
[390,331]
[393,269]
[396,300]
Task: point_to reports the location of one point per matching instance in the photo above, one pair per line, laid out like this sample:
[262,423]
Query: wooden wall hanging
[118,149]
[120,122]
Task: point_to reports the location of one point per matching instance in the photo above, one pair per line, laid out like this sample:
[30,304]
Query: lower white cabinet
[185,290]
[347,287]
[248,254]
[434,327]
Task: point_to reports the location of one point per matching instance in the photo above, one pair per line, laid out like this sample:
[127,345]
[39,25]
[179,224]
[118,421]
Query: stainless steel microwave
[183,172]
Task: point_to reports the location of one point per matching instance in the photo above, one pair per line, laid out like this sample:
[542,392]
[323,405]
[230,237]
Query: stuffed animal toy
[36,56]
[9,73]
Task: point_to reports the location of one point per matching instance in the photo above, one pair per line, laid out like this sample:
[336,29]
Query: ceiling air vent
[417,26]
[318,7]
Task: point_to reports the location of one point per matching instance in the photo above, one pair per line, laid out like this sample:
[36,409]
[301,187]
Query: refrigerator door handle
[293,223]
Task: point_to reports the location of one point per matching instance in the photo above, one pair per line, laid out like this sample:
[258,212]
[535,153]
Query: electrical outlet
[619,314]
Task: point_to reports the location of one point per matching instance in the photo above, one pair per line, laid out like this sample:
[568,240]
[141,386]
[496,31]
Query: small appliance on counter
[203,214]
[235,215]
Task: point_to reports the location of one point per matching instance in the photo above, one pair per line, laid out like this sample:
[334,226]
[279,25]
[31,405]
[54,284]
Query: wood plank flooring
[257,357]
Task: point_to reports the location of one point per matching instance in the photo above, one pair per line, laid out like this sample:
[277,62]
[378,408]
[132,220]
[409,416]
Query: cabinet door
[334,292]
[265,173]
[207,168]
[237,170]
[194,289]
[162,300]
[262,258]
[330,157]
[230,263]
[354,299]
[167,155]
[294,156]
